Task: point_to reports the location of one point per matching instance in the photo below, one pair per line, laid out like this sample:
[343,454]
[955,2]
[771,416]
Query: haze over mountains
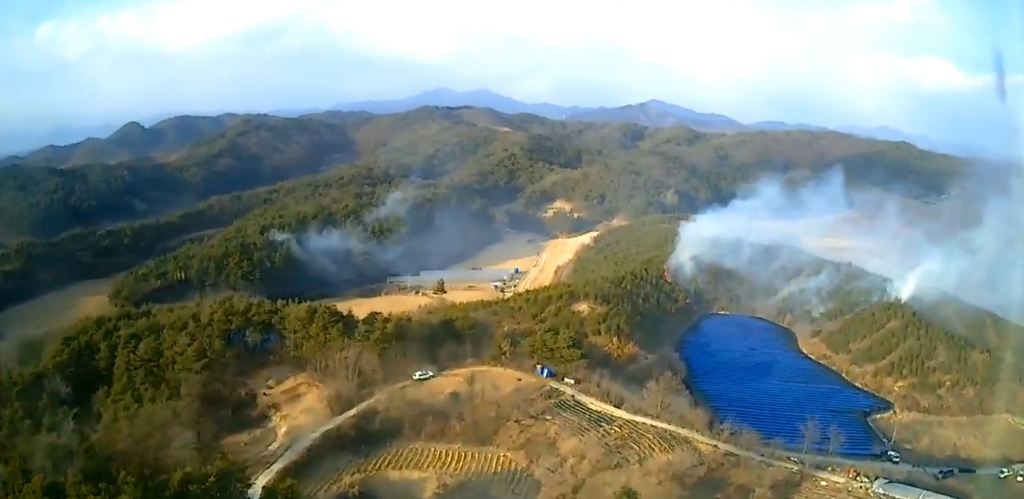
[60,146]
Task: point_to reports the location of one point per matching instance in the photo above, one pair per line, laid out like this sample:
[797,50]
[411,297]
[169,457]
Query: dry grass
[55,310]
[540,271]
[407,303]
[582,307]
[517,263]
[986,440]
[297,405]
[498,433]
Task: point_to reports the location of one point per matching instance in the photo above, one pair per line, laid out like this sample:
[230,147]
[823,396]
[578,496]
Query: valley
[240,318]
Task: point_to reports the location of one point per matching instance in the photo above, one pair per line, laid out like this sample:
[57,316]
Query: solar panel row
[752,374]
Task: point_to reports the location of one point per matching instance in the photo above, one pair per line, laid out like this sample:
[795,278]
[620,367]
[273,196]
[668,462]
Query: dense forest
[96,220]
[224,239]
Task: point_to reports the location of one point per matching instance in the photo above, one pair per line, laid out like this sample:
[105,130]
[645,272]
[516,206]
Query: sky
[922,66]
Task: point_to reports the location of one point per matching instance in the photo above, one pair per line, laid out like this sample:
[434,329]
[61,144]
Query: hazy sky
[918,65]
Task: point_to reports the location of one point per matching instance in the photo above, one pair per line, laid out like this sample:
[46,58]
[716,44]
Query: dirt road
[557,253]
[298,447]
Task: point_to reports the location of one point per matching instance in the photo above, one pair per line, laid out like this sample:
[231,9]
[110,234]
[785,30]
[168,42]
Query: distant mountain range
[133,140]
[653,113]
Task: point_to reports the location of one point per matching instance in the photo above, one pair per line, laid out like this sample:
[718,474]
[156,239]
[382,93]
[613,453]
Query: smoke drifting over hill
[425,236]
[969,245]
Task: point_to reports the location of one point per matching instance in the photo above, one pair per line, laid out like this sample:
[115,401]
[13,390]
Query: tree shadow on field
[704,487]
[502,485]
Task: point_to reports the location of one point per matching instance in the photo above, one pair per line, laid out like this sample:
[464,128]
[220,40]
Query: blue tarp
[752,374]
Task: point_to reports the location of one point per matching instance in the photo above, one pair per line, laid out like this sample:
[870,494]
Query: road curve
[298,447]
[810,458]
[611,410]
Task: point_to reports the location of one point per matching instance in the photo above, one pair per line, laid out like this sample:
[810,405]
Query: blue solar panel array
[752,374]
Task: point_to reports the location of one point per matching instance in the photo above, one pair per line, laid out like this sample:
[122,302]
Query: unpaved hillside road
[690,434]
[299,446]
[557,253]
[820,460]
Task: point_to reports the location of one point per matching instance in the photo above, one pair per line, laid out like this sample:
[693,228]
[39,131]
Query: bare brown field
[514,245]
[408,302]
[498,433]
[541,270]
[55,310]
[561,206]
[557,253]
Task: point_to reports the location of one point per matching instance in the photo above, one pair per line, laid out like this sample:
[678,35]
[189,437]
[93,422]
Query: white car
[1003,473]
[422,375]
[1020,477]
[893,457]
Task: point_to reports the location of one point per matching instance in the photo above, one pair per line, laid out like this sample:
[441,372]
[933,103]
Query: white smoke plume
[396,205]
[329,252]
[431,237]
[969,244]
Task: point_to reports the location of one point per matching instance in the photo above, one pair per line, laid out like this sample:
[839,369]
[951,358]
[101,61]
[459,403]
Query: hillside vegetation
[520,163]
[151,390]
[133,140]
[135,403]
[606,166]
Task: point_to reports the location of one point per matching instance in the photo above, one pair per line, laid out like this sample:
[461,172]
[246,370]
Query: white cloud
[730,56]
[898,11]
[927,72]
[710,41]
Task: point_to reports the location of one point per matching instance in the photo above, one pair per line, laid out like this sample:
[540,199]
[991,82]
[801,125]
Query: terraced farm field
[634,441]
[470,468]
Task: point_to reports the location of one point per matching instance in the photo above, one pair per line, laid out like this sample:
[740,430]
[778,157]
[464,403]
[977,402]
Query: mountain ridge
[652,113]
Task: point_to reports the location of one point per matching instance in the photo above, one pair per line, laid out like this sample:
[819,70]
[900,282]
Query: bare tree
[656,396]
[748,440]
[776,444]
[811,432]
[724,431]
[836,439]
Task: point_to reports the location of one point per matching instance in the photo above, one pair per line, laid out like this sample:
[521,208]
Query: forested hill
[608,167]
[135,404]
[133,140]
[498,170]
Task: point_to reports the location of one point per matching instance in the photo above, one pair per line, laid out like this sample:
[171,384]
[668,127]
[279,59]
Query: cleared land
[976,440]
[561,206]
[498,433]
[55,310]
[514,246]
[518,250]
[407,302]
[557,254]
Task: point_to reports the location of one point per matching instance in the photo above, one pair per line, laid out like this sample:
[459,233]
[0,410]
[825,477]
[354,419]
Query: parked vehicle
[893,456]
[422,375]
